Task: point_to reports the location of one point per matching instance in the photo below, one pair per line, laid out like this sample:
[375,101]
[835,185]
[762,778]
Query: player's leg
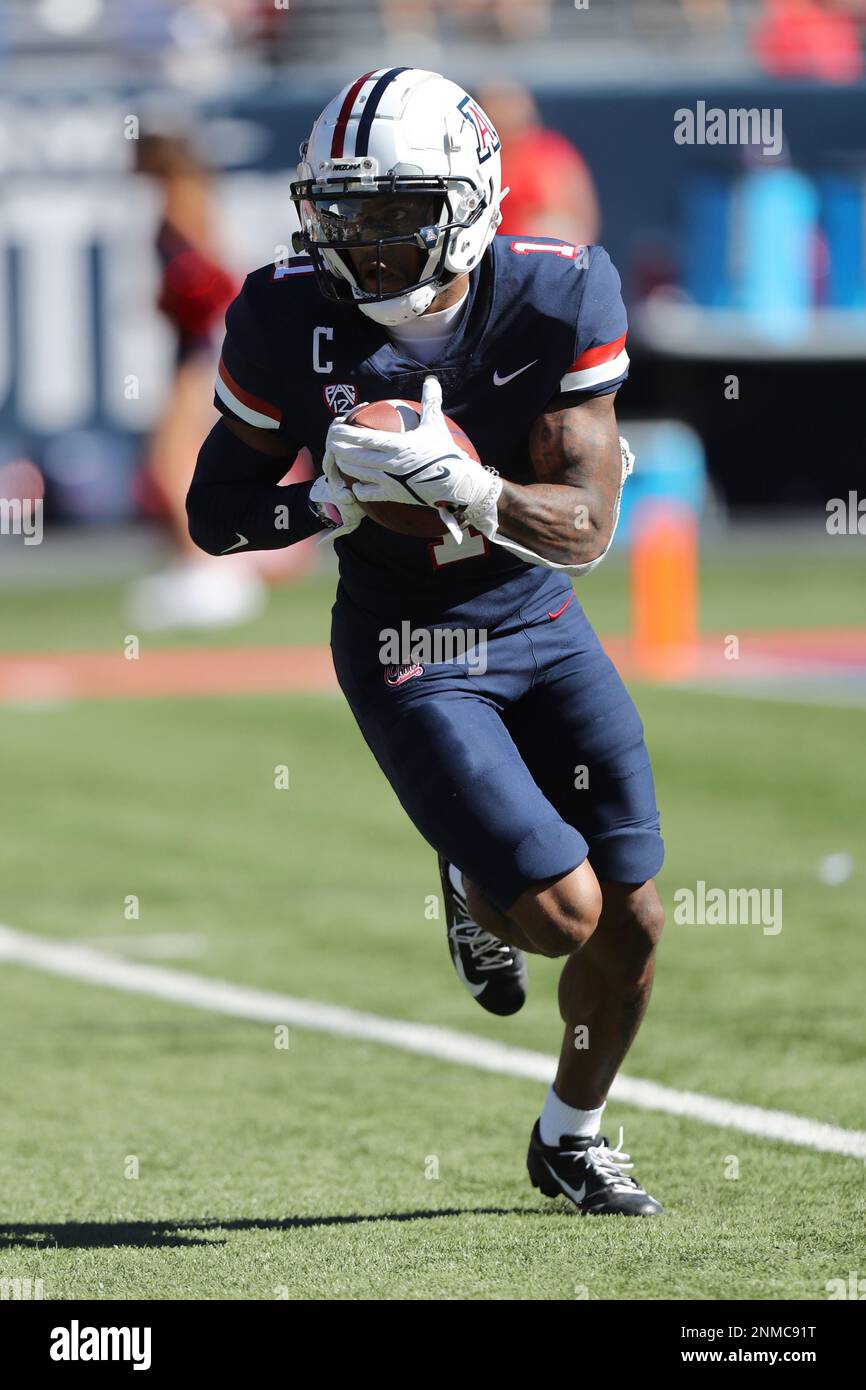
[451,761]
[491,968]
[604,992]
[559,915]
[552,918]
[582,739]
[616,959]
[462,782]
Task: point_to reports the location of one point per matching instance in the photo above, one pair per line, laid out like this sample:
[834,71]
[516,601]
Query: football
[397,416]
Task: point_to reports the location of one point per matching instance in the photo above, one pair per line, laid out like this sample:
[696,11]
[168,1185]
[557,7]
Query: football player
[529,777]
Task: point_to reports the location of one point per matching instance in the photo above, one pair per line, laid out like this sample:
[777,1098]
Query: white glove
[333,500]
[421,468]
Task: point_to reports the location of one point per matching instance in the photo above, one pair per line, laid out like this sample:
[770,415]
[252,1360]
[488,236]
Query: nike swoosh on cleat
[503,380]
[575,1196]
[474,990]
[241,540]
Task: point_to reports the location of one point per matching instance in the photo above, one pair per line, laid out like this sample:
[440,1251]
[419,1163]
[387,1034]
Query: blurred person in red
[194,293]
[552,192]
[810,38]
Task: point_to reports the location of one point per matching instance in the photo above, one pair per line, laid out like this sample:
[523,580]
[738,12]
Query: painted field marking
[89,966]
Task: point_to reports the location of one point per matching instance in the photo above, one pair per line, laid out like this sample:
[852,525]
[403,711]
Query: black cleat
[590,1174]
[493,972]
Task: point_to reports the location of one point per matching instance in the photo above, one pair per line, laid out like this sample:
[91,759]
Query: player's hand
[422,468]
[334,502]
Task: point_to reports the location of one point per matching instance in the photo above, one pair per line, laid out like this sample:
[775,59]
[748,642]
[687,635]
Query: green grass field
[812,584]
[303,1172]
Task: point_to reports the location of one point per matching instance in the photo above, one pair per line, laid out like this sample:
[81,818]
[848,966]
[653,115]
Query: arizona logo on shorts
[488,140]
[340,397]
[396,675]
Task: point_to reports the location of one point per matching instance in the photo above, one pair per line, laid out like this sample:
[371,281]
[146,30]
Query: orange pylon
[664,574]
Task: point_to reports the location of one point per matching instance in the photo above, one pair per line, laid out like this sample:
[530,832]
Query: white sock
[557,1118]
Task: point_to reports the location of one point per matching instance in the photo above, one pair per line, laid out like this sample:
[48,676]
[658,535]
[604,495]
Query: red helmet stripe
[345,112]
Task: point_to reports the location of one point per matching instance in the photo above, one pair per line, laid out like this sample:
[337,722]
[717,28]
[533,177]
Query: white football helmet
[398,156]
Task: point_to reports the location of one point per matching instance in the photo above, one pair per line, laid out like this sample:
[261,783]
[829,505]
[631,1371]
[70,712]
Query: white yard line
[83,963]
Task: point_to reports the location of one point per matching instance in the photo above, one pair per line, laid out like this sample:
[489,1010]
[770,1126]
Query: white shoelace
[610,1162]
[488,952]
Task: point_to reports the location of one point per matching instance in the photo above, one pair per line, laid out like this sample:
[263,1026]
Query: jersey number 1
[446,551]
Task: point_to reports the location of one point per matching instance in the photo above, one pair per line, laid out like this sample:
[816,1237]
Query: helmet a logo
[488,140]
[340,397]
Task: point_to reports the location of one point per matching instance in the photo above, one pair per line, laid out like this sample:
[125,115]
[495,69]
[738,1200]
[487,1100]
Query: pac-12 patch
[340,397]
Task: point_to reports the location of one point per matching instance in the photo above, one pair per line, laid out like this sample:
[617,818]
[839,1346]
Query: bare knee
[630,928]
[643,919]
[560,917]
[570,922]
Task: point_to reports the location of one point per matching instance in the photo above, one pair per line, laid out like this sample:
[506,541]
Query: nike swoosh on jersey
[241,540]
[503,380]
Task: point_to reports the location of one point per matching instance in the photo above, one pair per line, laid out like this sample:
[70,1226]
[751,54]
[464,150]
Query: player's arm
[566,519]
[234,502]
[565,523]
[568,516]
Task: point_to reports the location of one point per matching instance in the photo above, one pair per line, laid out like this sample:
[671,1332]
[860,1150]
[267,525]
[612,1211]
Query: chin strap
[390,313]
[489,526]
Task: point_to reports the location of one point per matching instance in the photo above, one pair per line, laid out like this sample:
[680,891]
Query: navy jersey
[542,318]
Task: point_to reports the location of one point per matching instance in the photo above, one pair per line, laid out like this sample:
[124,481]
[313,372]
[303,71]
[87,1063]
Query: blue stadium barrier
[669,465]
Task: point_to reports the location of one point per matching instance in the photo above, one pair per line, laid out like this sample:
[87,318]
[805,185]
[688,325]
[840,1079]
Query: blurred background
[146,147]
[146,150]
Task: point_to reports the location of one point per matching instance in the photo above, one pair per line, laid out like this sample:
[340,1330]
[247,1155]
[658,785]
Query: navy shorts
[518,771]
